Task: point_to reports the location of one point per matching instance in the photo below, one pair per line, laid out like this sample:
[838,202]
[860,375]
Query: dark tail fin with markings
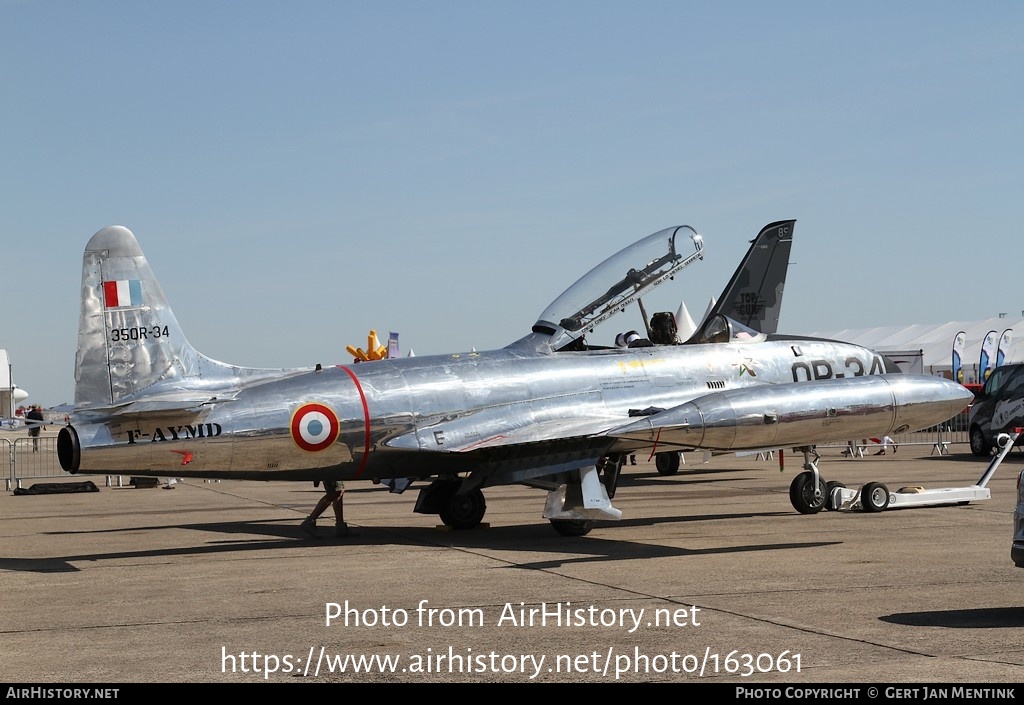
[754,294]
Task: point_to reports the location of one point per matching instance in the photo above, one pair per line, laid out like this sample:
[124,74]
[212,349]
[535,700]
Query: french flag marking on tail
[123,292]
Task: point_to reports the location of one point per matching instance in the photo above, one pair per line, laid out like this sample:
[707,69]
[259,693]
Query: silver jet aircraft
[549,411]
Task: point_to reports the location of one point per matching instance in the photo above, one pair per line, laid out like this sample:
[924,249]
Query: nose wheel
[806,496]
[808,493]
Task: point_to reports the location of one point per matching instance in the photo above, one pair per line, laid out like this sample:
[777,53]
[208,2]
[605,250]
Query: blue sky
[299,173]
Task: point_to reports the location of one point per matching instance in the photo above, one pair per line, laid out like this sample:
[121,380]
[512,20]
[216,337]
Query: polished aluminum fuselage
[148,403]
[519,414]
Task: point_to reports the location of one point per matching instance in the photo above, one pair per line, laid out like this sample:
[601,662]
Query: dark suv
[999,406]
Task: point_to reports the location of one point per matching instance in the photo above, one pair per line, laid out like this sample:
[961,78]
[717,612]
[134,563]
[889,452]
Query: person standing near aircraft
[334,494]
[35,420]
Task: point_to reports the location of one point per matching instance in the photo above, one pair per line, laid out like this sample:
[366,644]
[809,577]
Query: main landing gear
[586,495]
[667,463]
[464,511]
[572,527]
[572,506]
[458,510]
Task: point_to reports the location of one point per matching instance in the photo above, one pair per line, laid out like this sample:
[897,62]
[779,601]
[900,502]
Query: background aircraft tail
[754,294]
[129,341]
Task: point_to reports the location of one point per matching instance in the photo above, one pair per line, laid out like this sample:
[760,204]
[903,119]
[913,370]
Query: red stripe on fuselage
[366,419]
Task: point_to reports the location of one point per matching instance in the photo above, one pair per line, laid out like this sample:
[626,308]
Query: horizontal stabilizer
[162,405]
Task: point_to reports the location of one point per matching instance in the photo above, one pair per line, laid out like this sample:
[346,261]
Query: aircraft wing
[535,452]
[476,432]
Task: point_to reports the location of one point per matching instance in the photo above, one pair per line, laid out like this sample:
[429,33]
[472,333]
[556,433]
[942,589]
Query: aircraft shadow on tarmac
[983,618]
[531,538]
[653,479]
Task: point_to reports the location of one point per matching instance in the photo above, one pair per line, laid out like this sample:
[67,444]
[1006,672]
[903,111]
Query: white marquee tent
[6,386]
[935,342]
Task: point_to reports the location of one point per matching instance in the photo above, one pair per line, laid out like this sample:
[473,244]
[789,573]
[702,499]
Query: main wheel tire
[667,463]
[802,495]
[830,506]
[464,511]
[572,527]
[874,497]
[979,444]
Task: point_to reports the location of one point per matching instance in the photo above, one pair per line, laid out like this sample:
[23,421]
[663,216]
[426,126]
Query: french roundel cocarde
[314,427]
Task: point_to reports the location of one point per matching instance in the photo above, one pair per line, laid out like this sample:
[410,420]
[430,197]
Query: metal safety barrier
[8,449]
[940,438]
[32,459]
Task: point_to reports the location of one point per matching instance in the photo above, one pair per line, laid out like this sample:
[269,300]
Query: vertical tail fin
[754,294]
[128,338]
